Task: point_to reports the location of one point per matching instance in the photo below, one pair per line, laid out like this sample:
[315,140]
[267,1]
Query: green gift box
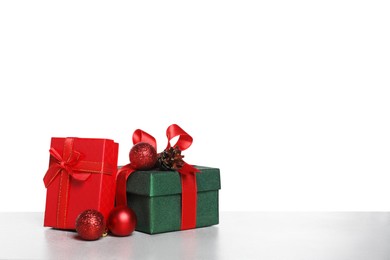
[155,196]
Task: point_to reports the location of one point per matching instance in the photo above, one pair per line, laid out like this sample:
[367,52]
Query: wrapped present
[176,195]
[81,175]
[155,197]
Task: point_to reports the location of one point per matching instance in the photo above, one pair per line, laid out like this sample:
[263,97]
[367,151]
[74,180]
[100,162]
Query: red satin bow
[72,164]
[187,174]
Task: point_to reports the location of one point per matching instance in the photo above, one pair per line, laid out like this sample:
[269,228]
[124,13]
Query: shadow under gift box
[155,196]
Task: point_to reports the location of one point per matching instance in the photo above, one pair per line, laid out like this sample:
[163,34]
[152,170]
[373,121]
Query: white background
[290,99]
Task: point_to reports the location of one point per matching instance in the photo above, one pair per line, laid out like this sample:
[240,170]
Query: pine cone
[170,159]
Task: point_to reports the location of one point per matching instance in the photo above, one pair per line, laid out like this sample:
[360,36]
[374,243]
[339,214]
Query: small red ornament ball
[122,221]
[143,156]
[90,224]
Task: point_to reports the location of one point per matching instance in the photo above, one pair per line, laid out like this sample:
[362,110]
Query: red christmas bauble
[143,156]
[90,224]
[122,221]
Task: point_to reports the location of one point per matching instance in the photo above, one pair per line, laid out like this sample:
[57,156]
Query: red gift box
[81,175]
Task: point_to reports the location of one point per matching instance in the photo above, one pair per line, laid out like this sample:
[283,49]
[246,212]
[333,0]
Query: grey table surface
[240,235]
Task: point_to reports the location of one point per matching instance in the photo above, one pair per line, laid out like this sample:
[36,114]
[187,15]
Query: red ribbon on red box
[187,174]
[69,164]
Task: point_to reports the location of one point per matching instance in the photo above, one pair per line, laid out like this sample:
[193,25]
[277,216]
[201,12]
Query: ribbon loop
[142,136]
[184,141]
[53,152]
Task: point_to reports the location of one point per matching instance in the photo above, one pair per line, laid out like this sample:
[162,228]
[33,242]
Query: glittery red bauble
[90,224]
[143,156]
[122,221]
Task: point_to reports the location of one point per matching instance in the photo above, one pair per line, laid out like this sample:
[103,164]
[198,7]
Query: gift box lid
[159,183]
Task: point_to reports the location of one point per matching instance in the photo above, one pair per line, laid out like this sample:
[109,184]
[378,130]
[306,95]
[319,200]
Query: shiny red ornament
[143,156]
[122,221]
[90,224]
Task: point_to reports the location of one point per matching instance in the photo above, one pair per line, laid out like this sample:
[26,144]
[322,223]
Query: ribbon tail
[51,174]
[81,176]
[121,181]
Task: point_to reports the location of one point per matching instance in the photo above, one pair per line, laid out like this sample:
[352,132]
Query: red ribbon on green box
[187,174]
